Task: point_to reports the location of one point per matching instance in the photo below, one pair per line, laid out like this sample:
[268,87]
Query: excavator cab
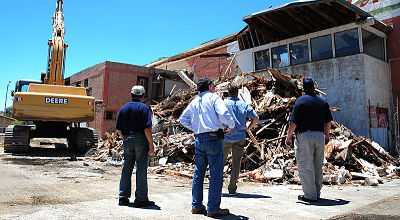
[23,84]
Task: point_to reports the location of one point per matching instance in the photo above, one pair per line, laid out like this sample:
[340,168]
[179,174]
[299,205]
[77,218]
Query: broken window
[142,81]
[86,83]
[280,57]
[109,115]
[373,45]
[299,52]
[321,48]
[261,59]
[346,43]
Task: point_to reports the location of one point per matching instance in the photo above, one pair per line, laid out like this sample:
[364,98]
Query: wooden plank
[187,80]
[256,144]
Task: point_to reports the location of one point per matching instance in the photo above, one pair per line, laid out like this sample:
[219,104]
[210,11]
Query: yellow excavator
[55,109]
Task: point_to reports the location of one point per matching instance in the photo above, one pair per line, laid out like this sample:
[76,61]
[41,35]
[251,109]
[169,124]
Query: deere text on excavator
[55,109]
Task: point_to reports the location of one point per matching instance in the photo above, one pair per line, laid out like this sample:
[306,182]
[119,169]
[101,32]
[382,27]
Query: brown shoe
[220,212]
[199,210]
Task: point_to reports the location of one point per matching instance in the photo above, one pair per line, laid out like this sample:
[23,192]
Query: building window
[86,83]
[142,81]
[280,57]
[373,45]
[299,52]
[346,43]
[261,59]
[321,48]
[109,115]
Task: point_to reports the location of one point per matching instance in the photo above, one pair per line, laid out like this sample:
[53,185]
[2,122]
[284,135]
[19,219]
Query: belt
[211,133]
[299,132]
[136,132]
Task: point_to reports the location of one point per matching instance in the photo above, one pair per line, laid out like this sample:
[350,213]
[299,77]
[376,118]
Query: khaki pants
[237,153]
[309,148]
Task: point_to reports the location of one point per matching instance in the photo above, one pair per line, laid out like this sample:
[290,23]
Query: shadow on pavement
[231,216]
[327,202]
[51,152]
[154,207]
[246,196]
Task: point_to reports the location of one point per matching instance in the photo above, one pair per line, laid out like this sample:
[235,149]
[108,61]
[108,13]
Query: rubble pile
[266,158]
[110,150]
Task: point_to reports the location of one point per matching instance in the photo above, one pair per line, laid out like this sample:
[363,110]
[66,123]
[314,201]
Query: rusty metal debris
[266,158]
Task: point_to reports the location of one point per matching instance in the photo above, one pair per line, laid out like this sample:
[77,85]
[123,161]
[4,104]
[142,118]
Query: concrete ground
[49,186]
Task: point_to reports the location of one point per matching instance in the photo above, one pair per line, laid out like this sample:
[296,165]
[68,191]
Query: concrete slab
[37,188]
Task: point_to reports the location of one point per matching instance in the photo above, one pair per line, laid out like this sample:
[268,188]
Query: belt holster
[220,134]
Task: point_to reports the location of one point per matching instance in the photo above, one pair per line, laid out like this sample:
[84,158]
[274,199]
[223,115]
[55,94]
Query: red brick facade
[393,52]
[112,83]
[210,67]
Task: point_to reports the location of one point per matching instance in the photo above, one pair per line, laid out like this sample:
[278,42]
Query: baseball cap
[308,84]
[138,90]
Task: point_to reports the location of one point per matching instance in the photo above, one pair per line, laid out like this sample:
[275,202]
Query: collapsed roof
[300,18]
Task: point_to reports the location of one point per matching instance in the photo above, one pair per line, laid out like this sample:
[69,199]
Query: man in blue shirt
[134,126]
[235,140]
[311,119]
[205,115]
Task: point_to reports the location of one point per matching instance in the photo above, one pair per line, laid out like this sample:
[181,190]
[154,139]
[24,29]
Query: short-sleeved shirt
[310,113]
[206,113]
[239,111]
[133,117]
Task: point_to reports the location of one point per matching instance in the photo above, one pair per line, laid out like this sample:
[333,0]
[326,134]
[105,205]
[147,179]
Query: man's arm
[289,136]
[327,129]
[223,114]
[185,119]
[120,134]
[254,117]
[253,123]
[149,136]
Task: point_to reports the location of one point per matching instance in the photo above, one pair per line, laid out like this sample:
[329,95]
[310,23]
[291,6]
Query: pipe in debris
[369,117]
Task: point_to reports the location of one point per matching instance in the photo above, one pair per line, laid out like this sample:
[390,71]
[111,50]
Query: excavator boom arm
[57,49]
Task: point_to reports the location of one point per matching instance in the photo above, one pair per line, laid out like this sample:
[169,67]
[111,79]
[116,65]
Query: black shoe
[139,203]
[232,193]
[302,198]
[123,201]
[199,210]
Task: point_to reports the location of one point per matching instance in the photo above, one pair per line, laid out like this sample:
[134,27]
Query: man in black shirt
[311,120]
[134,126]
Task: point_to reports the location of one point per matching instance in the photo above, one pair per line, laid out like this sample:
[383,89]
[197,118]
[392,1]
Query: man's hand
[151,150]
[326,139]
[289,142]
[228,130]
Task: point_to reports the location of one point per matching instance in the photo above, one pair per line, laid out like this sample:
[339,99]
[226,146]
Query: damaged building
[334,42]
[211,59]
[111,82]
[343,47]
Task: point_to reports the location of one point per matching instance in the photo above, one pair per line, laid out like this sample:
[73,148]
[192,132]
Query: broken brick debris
[266,158]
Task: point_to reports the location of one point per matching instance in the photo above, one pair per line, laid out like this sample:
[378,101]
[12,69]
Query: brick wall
[205,67]
[393,52]
[112,83]
[88,72]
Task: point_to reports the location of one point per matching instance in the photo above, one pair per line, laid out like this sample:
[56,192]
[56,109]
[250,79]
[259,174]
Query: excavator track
[16,139]
[83,139]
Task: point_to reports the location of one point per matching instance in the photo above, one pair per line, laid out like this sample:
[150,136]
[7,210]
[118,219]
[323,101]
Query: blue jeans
[208,151]
[136,149]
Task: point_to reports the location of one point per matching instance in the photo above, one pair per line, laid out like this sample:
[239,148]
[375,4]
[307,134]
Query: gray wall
[169,84]
[350,81]
[378,82]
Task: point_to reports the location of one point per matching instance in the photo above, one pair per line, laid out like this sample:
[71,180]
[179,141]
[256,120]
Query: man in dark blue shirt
[311,119]
[134,126]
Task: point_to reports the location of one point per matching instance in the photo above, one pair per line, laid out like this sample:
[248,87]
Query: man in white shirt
[206,116]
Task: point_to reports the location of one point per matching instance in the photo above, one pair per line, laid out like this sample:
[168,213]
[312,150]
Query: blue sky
[127,31]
